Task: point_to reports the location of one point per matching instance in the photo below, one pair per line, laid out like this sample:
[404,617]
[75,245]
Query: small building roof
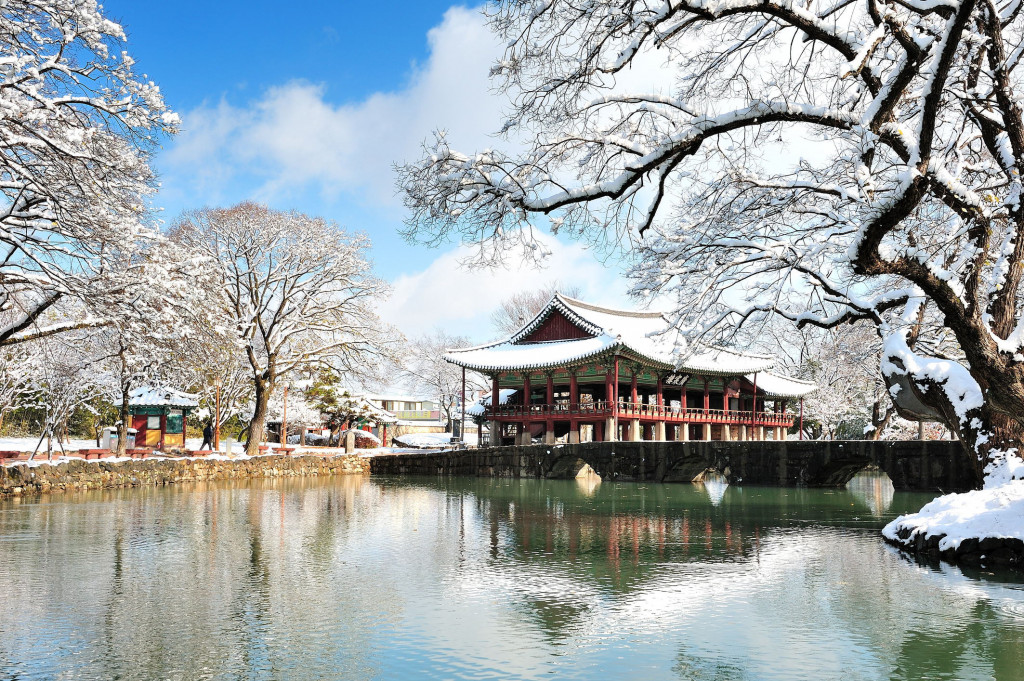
[153,396]
[775,385]
[649,336]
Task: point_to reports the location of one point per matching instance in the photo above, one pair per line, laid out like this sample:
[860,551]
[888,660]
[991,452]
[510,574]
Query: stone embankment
[985,552]
[77,474]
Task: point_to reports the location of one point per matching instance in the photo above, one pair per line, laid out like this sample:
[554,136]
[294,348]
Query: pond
[370,578]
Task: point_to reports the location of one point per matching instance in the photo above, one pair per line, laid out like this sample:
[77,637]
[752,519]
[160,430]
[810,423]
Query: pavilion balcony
[636,410]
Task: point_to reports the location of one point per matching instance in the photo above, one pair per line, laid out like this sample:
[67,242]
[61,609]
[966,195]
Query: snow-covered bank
[978,527]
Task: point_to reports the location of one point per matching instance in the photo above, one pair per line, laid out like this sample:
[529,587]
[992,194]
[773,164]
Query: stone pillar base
[743,433]
[684,432]
[574,435]
[659,431]
[726,432]
[549,435]
[609,430]
[707,432]
[635,434]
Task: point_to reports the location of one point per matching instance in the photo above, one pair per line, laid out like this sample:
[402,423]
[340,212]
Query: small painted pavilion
[586,373]
[158,414]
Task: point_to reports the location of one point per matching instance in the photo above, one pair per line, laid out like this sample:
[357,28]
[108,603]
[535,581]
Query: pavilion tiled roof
[153,396]
[646,335]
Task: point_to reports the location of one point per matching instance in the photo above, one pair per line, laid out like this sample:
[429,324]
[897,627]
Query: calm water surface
[353,578]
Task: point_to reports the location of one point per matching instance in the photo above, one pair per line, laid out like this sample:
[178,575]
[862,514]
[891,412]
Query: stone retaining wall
[78,474]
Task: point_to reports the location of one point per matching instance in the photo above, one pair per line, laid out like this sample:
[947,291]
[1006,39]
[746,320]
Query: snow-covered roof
[480,406]
[774,385]
[648,335]
[420,424]
[373,412]
[152,396]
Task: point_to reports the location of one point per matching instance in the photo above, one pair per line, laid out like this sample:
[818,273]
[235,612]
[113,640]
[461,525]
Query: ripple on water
[351,579]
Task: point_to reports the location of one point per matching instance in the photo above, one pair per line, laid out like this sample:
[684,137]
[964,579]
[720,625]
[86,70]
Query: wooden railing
[631,410]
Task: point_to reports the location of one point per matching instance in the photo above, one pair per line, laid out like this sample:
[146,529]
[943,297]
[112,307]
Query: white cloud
[293,138]
[445,295]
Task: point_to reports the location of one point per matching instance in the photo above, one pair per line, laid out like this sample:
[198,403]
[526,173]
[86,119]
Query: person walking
[207,436]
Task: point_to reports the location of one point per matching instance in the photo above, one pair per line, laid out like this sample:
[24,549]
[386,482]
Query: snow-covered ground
[237,451]
[432,440]
[28,444]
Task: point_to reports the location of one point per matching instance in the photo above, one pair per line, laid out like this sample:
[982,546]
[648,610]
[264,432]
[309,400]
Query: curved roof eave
[618,346]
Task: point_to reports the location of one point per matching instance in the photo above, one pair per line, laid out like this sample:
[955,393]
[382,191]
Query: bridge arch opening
[873,487]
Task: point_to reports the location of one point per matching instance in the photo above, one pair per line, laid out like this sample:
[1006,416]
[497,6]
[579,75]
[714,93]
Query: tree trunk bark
[259,418]
[124,423]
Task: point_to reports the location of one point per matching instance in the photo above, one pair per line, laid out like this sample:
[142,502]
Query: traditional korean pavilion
[158,414]
[582,373]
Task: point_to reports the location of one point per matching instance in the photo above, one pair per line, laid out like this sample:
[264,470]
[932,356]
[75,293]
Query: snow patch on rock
[993,512]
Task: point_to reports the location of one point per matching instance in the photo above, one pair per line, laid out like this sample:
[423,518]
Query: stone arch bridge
[940,465]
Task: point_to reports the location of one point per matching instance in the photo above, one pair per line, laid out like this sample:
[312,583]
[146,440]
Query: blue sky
[307,106]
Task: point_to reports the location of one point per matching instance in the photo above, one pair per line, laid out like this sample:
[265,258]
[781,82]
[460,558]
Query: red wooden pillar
[615,404]
[753,406]
[551,392]
[707,396]
[528,402]
[574,399]
[632,388]
[661,398]
[495,403]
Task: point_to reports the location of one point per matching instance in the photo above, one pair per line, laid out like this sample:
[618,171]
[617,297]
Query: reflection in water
[352,578]
[715,485]
[873,488]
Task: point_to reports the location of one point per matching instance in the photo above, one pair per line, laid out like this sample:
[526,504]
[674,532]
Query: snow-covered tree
[63,376]
[296,291]
[824,161]
[76,131]
[427,373]
[15,364]
[152,326]
[216,368]
[519,308]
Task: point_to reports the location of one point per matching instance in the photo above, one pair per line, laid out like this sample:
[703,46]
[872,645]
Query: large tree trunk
[123,424]
[259,418]
[879,419]
[988,435]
